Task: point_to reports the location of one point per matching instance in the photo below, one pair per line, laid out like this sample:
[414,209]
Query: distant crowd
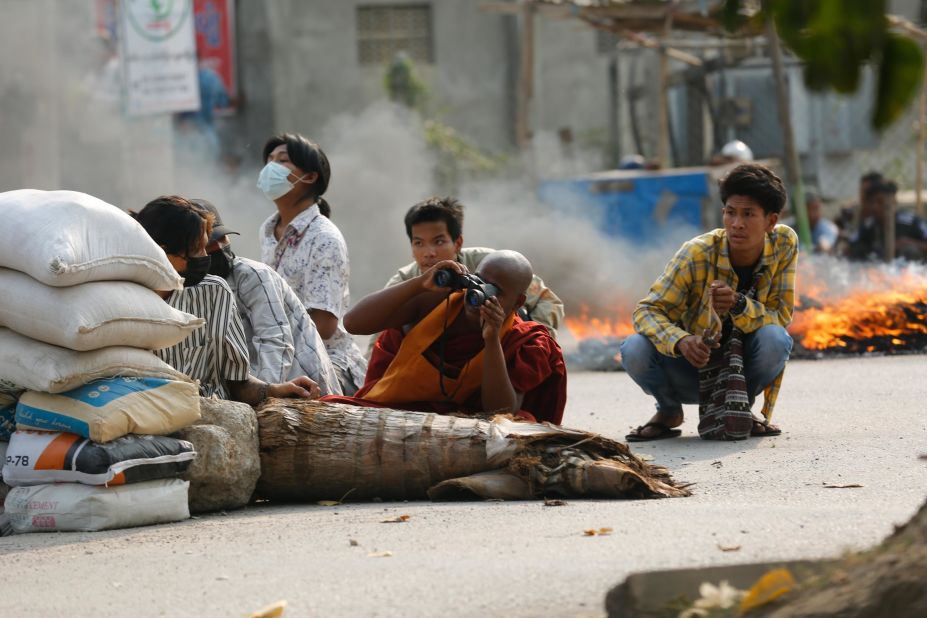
[861,231]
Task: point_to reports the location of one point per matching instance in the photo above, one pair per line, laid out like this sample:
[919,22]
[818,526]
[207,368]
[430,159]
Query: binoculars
[477,289]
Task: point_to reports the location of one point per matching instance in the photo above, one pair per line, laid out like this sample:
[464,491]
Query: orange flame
[884,308]
[586,326]
[861,316]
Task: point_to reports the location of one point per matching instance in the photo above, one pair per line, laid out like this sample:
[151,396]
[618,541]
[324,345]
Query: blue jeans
[672,381]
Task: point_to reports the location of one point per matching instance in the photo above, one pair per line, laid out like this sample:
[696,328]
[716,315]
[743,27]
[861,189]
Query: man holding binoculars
[454,343]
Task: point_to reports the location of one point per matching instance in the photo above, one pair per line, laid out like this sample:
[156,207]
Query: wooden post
[921,139]
[663,99]
[614,108]
[889,228]
[792,165]
[525,77]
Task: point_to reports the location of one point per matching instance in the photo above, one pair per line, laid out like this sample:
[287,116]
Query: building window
[385,30]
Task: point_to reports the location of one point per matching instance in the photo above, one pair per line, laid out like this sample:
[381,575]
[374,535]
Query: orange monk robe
[533,359]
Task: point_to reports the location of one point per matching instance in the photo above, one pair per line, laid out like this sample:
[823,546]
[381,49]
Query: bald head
[511,272]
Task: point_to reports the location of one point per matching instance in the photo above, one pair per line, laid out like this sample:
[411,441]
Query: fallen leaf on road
[850,486]
[923,457]
[274,610]
[597,532]
[380,554]
[717,464]
[353,543]
[767,589]
[729,547]
[554,503]
[401,519]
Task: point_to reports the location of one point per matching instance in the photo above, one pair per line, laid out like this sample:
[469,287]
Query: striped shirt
[283,342]
[216,353]
[678,302]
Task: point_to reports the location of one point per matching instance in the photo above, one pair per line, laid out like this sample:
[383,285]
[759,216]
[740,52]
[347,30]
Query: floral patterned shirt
[312,257]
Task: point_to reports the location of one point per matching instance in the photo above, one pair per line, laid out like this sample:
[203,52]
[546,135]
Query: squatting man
[712,330]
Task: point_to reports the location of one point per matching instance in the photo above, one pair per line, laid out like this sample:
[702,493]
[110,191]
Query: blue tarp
[634,205]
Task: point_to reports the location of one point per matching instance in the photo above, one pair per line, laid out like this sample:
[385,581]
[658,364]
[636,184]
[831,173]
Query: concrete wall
[316,73]
[310,69]
[571,88]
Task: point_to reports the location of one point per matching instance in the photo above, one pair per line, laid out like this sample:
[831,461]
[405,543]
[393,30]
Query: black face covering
[221,262]
[197,269]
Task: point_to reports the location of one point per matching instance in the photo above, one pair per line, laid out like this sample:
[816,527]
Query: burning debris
[841,308]
[853,309]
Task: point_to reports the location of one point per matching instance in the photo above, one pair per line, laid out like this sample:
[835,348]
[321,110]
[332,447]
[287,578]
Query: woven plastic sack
[86,508]
[107,409]
[42,457]
[7,417]
[4,490]
[26,364]
[65,238]
[92,315]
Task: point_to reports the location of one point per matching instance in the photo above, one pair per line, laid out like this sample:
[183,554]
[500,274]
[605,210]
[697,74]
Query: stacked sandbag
[80,315]
[7,427]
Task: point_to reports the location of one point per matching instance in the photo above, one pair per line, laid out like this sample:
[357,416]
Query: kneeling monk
[466,350]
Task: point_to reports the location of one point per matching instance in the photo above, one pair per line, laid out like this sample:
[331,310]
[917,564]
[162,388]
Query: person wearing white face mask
[302,244]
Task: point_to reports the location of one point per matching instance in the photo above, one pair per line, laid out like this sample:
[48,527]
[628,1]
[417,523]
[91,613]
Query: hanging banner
[215,42]
[104,16]
[158,56]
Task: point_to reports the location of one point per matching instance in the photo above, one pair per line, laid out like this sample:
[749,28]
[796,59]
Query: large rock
[227,464]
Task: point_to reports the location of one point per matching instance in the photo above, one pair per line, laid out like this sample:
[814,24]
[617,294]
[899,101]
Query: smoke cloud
[63,128]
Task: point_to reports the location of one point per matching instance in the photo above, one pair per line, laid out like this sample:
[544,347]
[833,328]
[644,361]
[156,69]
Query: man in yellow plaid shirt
[745,275]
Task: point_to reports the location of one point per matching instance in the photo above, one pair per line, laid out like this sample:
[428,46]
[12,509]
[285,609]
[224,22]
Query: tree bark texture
[313,450]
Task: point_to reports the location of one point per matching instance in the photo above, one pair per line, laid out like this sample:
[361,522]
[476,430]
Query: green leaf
[833,38]
[901,68]
[731,17]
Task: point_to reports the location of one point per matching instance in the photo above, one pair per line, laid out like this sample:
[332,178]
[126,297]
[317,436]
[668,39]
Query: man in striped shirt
[715,273]
[217,354]
[283,342]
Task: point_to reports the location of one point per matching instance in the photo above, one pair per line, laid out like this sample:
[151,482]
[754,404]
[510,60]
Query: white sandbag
[91,316]
[42,457]
[86,508]
[110,408]
[65,238]
[37,366]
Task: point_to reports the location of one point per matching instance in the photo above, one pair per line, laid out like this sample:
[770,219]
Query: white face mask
[274,180]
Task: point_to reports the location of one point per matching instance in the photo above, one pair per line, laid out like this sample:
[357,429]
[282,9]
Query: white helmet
[737,151]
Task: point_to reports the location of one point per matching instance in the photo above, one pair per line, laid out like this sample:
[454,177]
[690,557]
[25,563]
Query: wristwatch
[739,305]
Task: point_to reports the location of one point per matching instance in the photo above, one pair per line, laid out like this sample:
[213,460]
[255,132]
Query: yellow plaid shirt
[678,302]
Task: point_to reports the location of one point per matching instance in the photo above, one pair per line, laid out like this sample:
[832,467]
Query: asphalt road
[854,421]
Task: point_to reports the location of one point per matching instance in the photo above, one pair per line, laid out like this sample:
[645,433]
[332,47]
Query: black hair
[871,177]
[434,209]
[884,187]
[307,156]
[756,182]
[175,223]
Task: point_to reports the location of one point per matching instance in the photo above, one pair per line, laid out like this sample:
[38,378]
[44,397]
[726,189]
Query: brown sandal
[769,430]
[665,432]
